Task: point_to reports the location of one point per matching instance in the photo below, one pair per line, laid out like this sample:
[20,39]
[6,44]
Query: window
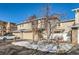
[1,28]
[59,24]
[20,25]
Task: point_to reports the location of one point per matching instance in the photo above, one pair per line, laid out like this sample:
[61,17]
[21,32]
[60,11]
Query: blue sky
[19,12]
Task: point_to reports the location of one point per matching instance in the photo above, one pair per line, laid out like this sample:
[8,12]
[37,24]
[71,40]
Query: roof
[23,23]
[68,21]
[22,30]
[7,22]
[42,18]
[75,26]
[58,30]
[13,23]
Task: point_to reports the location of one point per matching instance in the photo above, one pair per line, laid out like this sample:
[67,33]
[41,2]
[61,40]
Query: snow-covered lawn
[44,47]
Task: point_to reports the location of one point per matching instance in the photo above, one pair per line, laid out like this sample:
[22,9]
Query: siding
[65,25]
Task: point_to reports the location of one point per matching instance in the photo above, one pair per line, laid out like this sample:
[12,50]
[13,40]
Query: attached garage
[17,34]
[27,35]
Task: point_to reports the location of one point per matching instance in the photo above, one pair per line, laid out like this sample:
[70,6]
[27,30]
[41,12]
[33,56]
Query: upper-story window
[1,28]
[20,25]
[58,24]
[13,28]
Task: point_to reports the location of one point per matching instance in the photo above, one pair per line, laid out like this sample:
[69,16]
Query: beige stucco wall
[65,25]
[74,36]
[17,34]
[24,26]
[28,35]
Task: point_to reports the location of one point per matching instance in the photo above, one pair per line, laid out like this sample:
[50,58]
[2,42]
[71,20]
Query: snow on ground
[44,47]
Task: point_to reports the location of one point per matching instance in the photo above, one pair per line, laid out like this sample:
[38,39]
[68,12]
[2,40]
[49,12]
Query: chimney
[76,15]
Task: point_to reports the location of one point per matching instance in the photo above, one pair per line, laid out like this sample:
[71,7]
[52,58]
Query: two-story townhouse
[24,30]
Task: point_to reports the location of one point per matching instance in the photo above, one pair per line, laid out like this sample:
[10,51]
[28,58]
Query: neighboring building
[6,27]
[11,27]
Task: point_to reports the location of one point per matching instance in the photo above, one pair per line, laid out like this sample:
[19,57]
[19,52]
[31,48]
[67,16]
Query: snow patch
[44,47]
